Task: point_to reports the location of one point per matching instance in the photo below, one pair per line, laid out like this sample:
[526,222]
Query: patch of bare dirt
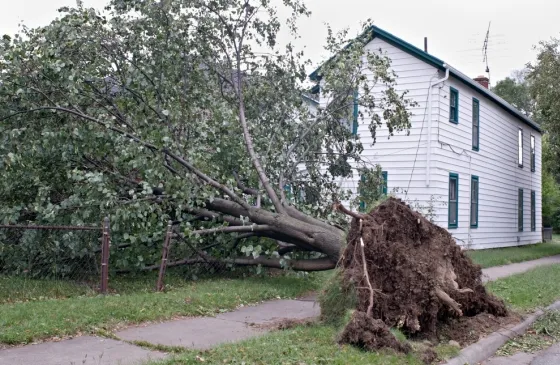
[409,274]
[286,324]
[468,330]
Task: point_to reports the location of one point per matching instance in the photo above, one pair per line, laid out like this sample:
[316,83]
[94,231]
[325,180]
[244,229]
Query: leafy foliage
[516,90]
[528,90]
[370,188]
[187,111]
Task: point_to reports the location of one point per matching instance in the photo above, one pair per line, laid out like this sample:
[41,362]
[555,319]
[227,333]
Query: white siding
[404,157]
[495,164]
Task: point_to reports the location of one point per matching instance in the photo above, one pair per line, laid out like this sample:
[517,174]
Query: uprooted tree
[191,111]
[402,271]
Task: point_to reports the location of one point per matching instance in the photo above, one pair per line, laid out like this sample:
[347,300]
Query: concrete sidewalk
[549,356]
[194,333]
[497,272]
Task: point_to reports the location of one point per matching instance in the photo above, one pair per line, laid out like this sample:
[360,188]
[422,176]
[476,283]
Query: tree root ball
[417,274]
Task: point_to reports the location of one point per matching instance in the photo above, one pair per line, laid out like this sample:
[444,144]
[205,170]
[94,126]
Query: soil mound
[409,274]
[371,334]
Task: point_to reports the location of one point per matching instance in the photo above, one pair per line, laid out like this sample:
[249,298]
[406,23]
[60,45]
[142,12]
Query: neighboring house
[470,155]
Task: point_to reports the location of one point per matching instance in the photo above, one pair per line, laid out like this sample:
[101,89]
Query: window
[474,201]
[533,212]
[533,155]
[520,210]
[475,123]
[384,183]
[453,105]
[453,200]
[355,114]
[520,148]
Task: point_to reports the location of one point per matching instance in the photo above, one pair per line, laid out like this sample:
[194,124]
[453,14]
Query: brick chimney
[483,80]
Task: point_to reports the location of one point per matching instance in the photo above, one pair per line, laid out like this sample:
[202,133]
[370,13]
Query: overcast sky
[455,29]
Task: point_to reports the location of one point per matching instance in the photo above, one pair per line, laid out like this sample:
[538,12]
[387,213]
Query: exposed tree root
[410,274]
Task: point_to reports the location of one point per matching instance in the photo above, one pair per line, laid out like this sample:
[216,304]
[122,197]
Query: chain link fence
[49,261]
[43,262]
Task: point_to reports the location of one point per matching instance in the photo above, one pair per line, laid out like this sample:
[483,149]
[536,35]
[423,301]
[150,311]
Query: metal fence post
[164,254]
[105,245]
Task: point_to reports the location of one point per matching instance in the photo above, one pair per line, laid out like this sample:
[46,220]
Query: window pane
[453,213]
[520,146]
[474,202]
[520,210]
[533,162]
[453,200]
[452,189]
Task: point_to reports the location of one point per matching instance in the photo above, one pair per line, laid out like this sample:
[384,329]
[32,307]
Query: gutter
[429,145]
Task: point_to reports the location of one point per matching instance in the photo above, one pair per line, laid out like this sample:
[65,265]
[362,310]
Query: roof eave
[498,100]
[439,64]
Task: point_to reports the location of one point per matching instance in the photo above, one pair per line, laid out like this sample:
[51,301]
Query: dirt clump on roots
[408,273]
[371,334]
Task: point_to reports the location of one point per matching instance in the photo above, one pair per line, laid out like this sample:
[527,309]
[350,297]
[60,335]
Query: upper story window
[453,105]
[475,123]
[533,154]
[355,114]
[520,148]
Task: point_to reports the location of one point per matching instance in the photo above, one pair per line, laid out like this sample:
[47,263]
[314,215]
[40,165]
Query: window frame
[453,176]
[533,147]
[520,148]
[454,115]
[533,211]
[476,137]
[520,210]
[473,179]
[384,177]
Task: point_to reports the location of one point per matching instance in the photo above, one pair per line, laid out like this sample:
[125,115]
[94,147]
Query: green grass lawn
[537,288]
[71,312]
[509,255]
[301,345]
[316,344]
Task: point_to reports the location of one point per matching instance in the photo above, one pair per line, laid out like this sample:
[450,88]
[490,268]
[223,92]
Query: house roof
[439,64]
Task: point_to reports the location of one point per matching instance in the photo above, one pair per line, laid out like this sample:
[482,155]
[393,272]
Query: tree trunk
[293,227]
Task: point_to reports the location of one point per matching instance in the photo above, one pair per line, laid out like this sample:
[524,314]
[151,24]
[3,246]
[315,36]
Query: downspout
[429,145]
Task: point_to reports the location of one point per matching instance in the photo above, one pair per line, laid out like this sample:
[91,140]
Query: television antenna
[485,50]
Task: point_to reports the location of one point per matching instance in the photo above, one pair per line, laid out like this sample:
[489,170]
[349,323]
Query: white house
[470,155]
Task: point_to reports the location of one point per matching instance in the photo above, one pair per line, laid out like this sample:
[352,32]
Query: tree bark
[298,265]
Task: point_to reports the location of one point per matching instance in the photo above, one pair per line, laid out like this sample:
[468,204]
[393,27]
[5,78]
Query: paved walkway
[497,272]
[549,356]
[199,333]
[196,333]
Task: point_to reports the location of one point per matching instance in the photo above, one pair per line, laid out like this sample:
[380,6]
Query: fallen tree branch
[228,229]
[207,179]
[341,208]
[244,189]
[298,265]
